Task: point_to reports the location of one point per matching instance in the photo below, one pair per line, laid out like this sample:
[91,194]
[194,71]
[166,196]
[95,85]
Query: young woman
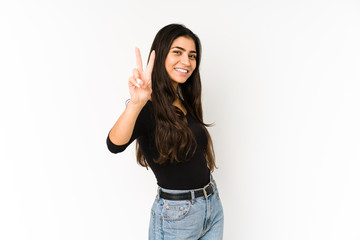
[165,116]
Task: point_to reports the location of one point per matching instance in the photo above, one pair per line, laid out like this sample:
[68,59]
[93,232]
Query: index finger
[150,65]
[138,59]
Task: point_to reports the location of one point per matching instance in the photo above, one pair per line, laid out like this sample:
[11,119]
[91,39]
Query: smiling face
[181,59]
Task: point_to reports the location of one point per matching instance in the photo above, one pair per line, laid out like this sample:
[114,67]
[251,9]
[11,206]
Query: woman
[164,115]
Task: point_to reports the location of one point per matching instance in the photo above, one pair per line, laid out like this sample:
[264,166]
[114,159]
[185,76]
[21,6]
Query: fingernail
[137,85]
[139,81]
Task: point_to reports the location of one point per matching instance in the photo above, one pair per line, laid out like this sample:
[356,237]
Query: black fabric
[191,174]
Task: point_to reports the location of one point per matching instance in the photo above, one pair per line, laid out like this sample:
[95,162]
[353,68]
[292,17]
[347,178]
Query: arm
[122,133]
[144,122]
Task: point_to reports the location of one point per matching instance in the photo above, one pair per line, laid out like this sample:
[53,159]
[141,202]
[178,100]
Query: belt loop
[213,183]
[192,196]
[158,194]
[204,191]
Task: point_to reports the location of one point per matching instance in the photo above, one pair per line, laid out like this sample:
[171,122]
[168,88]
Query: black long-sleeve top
[191,174]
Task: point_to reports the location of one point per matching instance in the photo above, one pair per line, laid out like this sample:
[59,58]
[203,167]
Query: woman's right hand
[140,82]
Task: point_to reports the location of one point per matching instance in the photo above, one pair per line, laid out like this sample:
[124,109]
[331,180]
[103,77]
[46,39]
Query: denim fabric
[199,218]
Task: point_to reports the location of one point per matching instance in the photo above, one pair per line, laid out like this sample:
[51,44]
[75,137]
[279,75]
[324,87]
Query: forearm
[122,130]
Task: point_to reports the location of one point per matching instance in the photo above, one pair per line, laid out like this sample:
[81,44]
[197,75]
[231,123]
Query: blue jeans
[198,218]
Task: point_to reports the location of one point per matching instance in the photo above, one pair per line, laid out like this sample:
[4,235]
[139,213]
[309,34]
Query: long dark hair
[174,139]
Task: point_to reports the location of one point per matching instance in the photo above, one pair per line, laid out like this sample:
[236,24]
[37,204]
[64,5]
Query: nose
[185,60]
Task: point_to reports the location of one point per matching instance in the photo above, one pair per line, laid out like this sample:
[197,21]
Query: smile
[182,70]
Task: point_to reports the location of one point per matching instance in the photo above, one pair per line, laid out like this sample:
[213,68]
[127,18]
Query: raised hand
[140,82]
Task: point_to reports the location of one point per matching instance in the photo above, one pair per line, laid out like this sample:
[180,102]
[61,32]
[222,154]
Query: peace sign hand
[140,82]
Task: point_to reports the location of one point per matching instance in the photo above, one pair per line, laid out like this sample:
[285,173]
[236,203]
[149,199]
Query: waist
[188,194]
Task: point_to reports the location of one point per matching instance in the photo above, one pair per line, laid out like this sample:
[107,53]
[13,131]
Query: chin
[180,81]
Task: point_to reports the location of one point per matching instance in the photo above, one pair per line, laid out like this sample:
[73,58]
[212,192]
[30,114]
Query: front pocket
[176,210]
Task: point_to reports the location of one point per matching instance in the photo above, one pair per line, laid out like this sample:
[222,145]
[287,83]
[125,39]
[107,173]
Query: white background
[280,81]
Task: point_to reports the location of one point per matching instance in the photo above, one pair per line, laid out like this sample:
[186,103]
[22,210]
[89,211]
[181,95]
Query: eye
[177,52]
[193,56]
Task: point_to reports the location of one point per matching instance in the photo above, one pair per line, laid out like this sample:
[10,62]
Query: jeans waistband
[212,183]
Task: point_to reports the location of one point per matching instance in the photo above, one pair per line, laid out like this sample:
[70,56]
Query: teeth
[181,70]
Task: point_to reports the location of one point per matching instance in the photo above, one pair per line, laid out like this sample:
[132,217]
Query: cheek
[168,68]
[167,64]
[194,66]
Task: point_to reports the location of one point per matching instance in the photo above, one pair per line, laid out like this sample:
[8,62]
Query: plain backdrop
[280,82]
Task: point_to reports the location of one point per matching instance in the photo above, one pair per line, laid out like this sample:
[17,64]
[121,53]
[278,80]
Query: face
[181,60]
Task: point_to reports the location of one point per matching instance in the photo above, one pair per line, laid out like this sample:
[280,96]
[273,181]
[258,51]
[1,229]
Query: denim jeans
[198,218]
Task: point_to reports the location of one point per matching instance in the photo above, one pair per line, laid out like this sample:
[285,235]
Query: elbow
[114,148]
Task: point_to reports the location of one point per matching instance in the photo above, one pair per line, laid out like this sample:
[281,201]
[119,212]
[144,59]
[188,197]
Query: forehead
[184,42]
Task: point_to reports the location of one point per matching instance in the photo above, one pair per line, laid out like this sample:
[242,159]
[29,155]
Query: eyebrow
[183,49]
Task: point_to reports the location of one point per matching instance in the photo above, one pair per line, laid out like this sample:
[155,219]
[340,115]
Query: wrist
[136,105]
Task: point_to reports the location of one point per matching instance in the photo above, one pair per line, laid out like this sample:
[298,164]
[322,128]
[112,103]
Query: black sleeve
[145,122]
